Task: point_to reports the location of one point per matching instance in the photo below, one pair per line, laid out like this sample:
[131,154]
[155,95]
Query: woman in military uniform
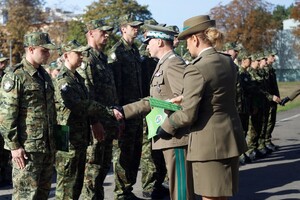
[73,112]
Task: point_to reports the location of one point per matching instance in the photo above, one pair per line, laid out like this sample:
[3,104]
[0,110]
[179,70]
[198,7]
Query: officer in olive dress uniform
[28,118]
[153,167]
[166,83]
[125,61]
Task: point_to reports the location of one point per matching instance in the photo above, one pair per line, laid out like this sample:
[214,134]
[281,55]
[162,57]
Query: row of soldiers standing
[257,99]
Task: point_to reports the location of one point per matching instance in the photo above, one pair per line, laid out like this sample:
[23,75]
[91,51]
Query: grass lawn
[285,89]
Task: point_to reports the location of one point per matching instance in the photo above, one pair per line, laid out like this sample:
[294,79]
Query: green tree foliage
[109,11]
[295,14]
[22,14]
[248,22]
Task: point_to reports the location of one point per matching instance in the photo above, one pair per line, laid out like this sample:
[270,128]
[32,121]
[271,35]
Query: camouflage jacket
[74,107]
[27,110]
[244,91]
[125,62]
[99,80]
[272,86]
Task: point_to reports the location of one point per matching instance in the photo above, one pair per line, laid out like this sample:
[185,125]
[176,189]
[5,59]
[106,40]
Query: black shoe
[147,194]
[252,156]
[160,192]
[165,185]
[261,153]
[272,147]
[244,159]
[133,197]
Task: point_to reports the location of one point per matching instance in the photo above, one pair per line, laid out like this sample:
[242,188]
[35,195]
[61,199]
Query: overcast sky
[164,11]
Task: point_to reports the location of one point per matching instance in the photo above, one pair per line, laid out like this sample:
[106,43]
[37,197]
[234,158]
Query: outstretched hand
[118,112]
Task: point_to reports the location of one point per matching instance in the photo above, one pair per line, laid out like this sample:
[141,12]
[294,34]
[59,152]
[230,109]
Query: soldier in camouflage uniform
[270,99]
[125,60]
[100,83]
[5,168]
[256,110]
[27,119]
[73,110]
[152,161]
[273,89]
[244,91]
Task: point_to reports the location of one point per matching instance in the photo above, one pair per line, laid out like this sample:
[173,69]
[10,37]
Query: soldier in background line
[273,90]
[125,61]
[28,118]
[100,83]
[5,165]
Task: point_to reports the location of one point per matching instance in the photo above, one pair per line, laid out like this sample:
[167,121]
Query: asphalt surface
[276,177]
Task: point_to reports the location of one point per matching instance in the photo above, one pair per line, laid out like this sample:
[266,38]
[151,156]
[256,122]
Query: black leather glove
[120,109]
[161,133]
[284,101]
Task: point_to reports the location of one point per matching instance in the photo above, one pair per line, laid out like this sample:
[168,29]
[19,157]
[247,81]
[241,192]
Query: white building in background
[290,24]
[287,65]
[54,15]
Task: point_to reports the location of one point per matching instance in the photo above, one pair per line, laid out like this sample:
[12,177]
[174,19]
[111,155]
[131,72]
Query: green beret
[74,46]
[97,24]
[130,20]
[38,39]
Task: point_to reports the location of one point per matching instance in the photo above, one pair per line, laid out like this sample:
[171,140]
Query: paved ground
[276,177]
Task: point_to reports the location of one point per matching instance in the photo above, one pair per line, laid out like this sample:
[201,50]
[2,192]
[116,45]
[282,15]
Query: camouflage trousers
[271,122]
[254,131]
[264,128]
[34,181]
[126,158]
[70,170]
[99,157]
[153,165]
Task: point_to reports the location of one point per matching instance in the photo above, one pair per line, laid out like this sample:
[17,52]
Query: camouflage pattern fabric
[70,172]
[125,62]
[27,120]
[99,80]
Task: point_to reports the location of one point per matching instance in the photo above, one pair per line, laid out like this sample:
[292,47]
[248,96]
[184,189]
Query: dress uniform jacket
[166,83]
[27,113]
[294,94]
[209,107]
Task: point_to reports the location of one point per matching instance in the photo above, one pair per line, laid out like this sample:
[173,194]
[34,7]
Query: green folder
[154,119]
[62,137]
[163,104]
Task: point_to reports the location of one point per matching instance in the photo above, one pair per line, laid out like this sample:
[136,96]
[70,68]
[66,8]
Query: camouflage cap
[230,45]
[244,55]
[270,53]
[38,39]
[175,29]
[260,56]
[130,20]
[97,24]
[74,46]
[2,59]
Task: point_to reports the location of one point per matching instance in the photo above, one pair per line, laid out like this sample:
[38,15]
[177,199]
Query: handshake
[284,101]
[118,112]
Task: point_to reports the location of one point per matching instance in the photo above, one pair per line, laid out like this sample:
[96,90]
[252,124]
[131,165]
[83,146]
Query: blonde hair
[212,36]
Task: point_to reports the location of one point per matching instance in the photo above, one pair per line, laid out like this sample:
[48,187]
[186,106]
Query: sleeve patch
[8,84]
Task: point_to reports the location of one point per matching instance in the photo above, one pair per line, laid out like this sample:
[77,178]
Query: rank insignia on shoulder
[8,85]
[64,87]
